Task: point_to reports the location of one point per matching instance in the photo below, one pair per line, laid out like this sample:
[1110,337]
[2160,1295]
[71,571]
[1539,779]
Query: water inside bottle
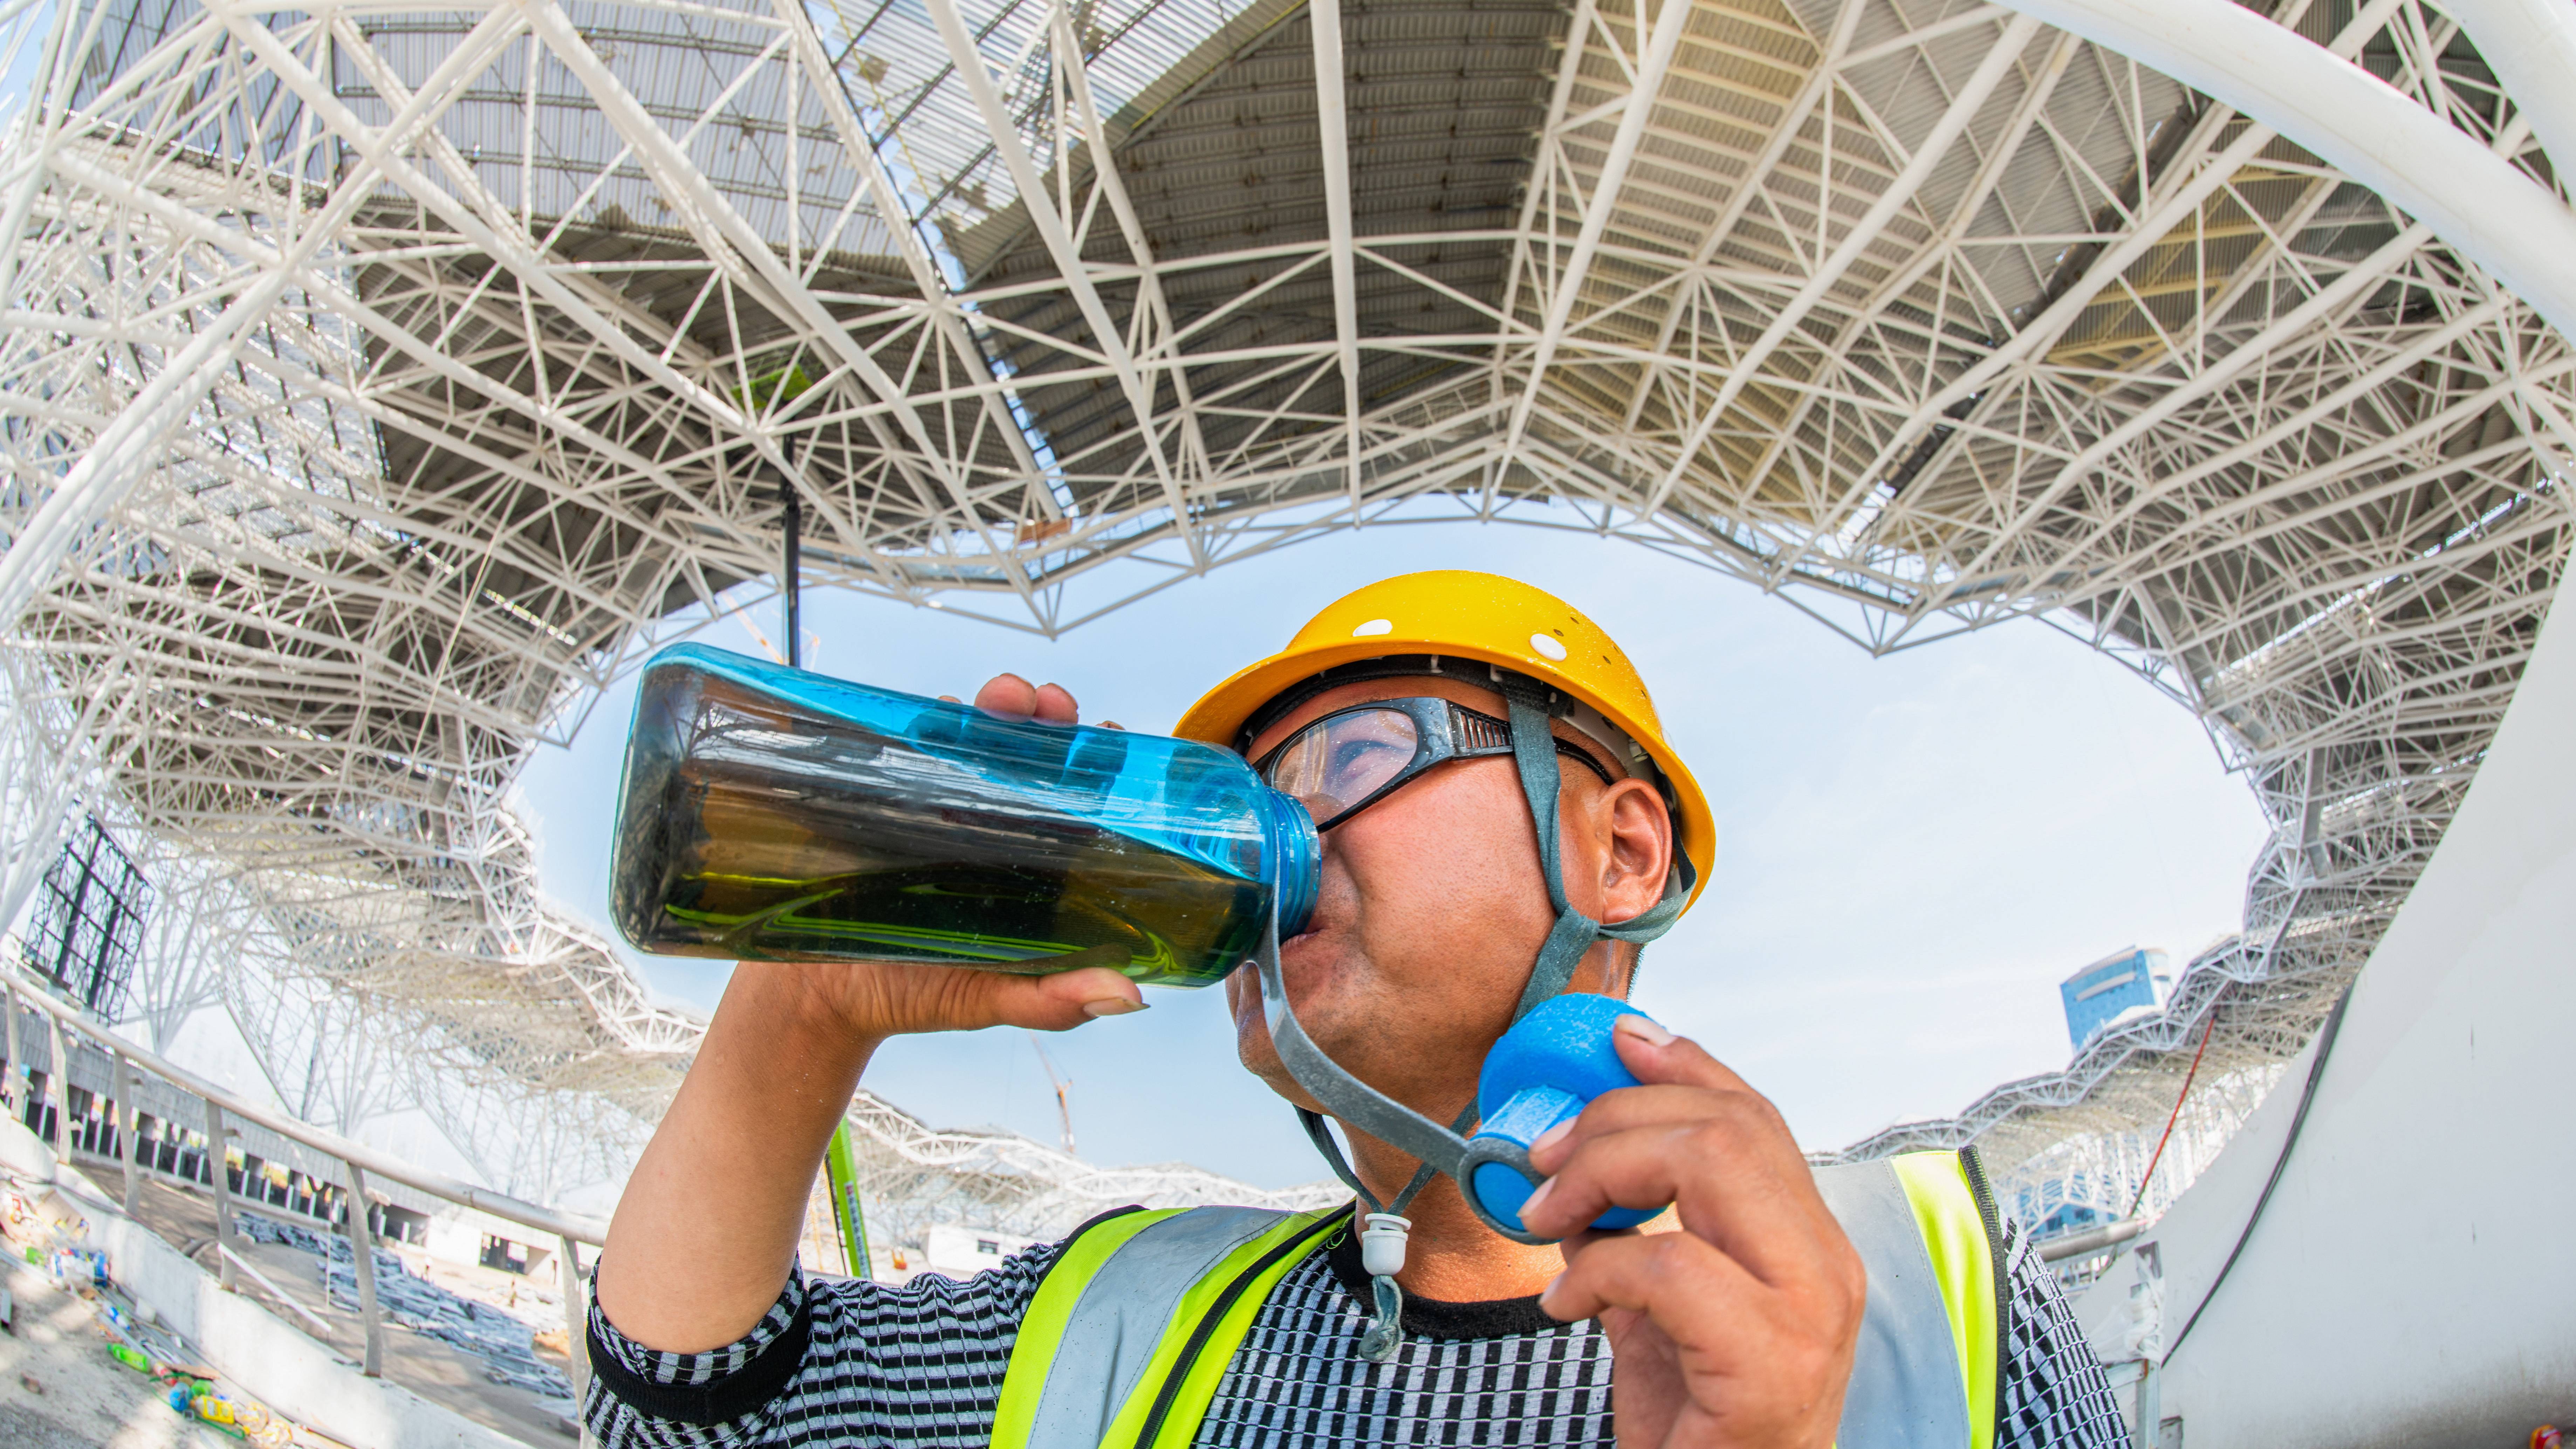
[774,815]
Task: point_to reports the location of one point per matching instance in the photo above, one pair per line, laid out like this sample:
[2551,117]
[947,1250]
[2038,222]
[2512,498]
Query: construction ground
[63,1387]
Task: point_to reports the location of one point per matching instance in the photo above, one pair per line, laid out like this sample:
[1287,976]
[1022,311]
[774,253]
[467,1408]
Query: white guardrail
[2091,1241]
[355,1158]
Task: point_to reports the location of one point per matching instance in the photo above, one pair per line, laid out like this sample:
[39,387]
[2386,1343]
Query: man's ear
[1640,837]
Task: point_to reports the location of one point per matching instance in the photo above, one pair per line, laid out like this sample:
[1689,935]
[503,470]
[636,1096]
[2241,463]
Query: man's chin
[1260,1056]
[1307,962]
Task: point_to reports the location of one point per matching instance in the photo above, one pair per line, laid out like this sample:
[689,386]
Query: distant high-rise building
[2130,982]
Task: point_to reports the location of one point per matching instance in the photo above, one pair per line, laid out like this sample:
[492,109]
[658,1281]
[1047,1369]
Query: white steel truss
[913,1177]
[378,381]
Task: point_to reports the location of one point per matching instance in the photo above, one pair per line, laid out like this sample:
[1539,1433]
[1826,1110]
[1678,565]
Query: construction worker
[1887,1304]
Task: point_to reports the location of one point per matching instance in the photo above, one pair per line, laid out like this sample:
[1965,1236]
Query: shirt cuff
[715,1386]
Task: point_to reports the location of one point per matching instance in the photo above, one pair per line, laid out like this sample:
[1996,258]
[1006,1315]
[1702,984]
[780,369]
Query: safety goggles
[1352,758]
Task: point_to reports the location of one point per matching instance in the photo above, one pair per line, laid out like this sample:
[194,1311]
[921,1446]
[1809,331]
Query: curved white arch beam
[2472,198]
[2532,45]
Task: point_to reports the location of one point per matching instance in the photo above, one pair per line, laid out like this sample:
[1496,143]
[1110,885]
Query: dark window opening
[87,927]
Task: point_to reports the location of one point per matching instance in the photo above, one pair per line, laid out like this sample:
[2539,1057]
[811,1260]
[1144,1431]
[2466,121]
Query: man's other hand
[1734,1317]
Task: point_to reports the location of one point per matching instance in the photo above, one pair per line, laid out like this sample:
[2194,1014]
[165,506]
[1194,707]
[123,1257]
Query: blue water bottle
[772,814]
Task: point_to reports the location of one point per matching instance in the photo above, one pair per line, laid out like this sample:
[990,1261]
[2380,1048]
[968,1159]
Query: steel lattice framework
[912,1177]
[379,380]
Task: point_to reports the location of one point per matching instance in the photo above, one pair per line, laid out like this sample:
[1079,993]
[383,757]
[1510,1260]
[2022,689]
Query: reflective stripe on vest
[1924,1371]
[1127,1339]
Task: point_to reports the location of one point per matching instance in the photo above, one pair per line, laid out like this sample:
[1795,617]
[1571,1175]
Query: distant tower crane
[1063,1094]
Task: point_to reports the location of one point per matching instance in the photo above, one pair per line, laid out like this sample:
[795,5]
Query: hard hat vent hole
[1375,627]
[1549,645]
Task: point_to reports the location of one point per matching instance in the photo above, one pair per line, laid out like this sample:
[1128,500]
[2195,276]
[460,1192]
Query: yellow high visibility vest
[1125,1342]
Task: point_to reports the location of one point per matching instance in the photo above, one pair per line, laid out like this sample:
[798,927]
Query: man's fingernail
[1645,1029]
[1531,1205]
[1550,1288]
[1552,1136]
[1111,1006]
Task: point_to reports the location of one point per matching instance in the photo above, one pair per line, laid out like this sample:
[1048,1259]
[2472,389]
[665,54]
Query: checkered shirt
[839,1364]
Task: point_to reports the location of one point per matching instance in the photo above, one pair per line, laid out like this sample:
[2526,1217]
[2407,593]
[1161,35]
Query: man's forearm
[707,1227]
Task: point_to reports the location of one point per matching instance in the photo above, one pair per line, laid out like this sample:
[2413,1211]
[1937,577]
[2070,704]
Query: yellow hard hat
[1484,617]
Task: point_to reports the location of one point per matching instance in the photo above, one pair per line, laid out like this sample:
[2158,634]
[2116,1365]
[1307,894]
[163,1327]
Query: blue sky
[1913,850]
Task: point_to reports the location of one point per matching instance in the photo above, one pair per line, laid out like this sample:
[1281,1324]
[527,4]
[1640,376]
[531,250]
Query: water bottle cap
[1564,1043]
[1542,1072]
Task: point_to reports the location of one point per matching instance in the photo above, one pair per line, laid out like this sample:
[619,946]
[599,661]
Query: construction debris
[506,1344]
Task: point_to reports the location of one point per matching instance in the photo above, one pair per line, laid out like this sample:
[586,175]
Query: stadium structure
[377,381]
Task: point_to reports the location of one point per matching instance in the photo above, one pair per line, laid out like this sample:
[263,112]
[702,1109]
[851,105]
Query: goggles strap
[1534,752]
[1368,1110]
[1331,1152]
[1542,779]
[1360,1106]
[1386,1329]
